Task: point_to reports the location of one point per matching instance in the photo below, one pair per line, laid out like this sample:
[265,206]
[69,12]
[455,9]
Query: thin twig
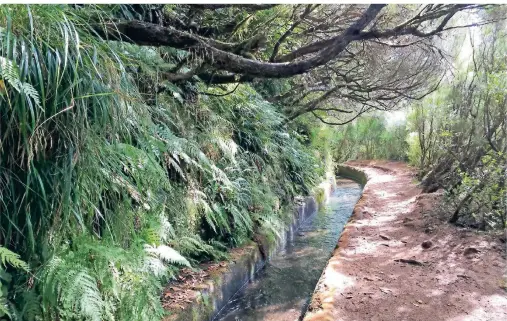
[220,95]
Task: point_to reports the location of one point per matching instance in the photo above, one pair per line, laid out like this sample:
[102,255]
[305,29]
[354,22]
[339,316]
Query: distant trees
[423,121]
[370,138]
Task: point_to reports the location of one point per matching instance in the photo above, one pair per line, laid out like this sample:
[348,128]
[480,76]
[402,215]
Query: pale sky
[450,41]
[395,117]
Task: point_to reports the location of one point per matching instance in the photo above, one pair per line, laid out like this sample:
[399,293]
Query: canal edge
[219,288]
[360,177]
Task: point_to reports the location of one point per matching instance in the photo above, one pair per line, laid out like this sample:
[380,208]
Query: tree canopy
[342,60]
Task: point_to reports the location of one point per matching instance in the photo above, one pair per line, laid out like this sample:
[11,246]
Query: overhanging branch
[362,111]
[221,55]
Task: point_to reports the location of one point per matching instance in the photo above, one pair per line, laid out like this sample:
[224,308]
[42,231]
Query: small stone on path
[427,244]
[470,250]
[409,261]
[429,230]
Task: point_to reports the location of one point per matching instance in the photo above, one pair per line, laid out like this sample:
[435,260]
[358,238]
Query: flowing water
[282,289]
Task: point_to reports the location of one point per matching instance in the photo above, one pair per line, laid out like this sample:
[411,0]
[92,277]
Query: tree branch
[247,7]
[233,63]
[224,79]
[221,95]
[220,55]
[226,56]
[287,33]
[362,111]
[406,28]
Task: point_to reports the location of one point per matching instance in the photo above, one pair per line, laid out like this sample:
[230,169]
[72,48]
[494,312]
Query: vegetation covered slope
[138,139]
[460,135]
[105,192]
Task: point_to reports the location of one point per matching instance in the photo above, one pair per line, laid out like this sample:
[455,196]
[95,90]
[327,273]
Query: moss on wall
[352,173]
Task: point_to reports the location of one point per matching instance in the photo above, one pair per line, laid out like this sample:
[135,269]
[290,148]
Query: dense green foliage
[8,258]
[138,139]
[370,138]
[459,139]
[108,186]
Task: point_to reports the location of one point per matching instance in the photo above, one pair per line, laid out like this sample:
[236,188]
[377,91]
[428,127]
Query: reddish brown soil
[459,277]
[181,293]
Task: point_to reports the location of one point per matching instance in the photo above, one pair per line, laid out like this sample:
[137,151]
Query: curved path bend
[458,277]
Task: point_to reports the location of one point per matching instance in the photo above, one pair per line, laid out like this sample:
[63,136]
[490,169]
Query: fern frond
[31,306]
[4,307]
[88,296]
[13,259]
[31,92]
[10,73]
[167,254]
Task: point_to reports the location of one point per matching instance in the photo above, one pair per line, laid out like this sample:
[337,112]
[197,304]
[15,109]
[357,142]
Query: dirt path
[459,277]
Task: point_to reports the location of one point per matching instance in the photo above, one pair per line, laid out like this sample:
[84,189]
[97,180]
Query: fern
[10,73]
[167,254]
[5,309]
[28,89]
[31,306]
[124,166]
[13,259]
[74,289]
[88,296]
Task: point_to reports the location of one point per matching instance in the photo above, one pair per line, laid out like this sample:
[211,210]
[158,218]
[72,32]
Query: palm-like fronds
[107,185]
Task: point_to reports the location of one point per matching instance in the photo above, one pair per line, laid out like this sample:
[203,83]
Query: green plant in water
[320,196]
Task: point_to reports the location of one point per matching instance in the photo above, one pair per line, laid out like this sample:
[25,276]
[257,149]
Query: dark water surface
[282,289]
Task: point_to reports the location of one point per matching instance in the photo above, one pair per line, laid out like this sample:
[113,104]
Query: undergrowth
[110,179]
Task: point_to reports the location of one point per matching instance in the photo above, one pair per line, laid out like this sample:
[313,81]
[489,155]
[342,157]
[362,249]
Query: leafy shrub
[112,179]
[480,200]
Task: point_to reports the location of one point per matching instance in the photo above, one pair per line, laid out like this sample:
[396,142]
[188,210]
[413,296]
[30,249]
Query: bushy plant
[370,137]
[480,199]
[113,179]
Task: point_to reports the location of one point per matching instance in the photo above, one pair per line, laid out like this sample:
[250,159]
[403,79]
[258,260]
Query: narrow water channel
[282,289]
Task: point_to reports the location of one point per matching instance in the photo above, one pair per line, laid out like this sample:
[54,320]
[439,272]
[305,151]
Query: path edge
[317,301]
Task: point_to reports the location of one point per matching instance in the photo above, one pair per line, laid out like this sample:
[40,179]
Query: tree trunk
[455,215]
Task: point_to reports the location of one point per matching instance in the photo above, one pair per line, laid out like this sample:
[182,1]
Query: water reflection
[283,288]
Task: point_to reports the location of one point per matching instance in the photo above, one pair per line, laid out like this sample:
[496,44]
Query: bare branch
[362,111]
[247,7]
[220,95]
[287,33]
